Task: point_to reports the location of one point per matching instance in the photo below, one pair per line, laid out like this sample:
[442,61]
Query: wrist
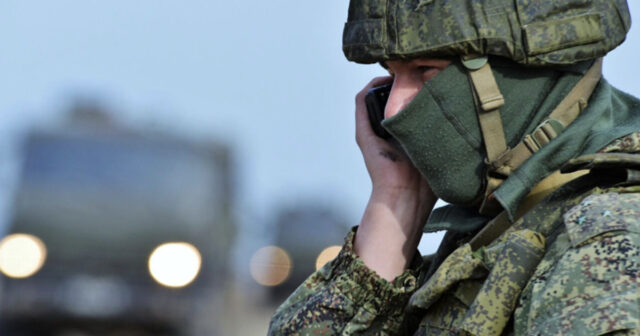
[409,206]
[390,231]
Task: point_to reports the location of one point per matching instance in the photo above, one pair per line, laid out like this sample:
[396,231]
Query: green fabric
[456,218]
[336,292]
[529,32]
[611,114]
[439,129]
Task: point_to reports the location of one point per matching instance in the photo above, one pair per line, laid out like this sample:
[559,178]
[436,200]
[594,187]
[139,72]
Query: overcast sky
[267,76]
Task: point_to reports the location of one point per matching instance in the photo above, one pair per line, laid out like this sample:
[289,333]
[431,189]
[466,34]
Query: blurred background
[178,167]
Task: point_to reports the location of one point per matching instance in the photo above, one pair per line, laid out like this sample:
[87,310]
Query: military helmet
[530,32]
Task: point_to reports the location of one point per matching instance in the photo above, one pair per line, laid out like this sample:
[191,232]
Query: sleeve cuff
[365,287]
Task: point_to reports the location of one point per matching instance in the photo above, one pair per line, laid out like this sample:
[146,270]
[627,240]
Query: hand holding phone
[400,199]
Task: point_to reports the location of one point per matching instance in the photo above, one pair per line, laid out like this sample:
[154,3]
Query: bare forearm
[390,231]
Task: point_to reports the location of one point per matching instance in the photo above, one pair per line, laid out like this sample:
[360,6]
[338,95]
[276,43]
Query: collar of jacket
[611,114]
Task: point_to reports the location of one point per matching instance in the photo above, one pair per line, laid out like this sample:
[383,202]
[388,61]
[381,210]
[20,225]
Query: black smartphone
[376,100]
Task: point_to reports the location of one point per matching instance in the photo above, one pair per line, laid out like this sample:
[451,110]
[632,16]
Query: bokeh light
[270,266]
[175,265]
[21,255]
[327,255]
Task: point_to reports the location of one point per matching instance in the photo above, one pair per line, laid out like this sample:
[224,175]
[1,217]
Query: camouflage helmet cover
[531,32]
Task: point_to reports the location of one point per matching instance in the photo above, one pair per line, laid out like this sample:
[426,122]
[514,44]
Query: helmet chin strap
[501,160]
[488,101]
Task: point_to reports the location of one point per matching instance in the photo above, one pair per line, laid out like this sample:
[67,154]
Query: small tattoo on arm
[390,156]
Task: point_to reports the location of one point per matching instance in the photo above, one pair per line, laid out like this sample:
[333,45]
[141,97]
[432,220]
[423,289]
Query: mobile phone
[376,100]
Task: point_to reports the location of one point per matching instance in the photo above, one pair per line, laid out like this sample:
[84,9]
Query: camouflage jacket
[569,266]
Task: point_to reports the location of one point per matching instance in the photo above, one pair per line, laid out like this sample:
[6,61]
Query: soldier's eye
[428,73]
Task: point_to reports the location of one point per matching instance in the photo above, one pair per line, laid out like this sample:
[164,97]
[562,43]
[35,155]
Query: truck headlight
[175,264]
[270,266]
[21,255]
[327,255]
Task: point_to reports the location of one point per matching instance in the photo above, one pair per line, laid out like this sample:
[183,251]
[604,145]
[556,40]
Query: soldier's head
[520,58]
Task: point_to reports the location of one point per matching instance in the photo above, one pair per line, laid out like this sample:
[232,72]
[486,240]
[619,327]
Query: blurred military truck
[117,232]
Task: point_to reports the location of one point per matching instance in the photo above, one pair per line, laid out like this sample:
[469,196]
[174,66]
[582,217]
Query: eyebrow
[432,62]
[422,62]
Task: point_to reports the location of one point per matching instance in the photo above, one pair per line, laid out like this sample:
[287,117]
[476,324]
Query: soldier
[498,108]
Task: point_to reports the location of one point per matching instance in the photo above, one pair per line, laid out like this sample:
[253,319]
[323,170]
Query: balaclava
[439,129]
[440,132]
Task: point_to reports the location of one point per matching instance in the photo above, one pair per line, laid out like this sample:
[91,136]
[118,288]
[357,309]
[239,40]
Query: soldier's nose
[402,93]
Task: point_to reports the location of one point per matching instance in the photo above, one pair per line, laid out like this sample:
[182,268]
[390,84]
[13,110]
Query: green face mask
[439,129]
[439,132]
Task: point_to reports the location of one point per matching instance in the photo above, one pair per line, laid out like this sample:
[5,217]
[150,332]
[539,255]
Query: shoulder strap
[560,118]
[490,100]
[498,225]
[501,160]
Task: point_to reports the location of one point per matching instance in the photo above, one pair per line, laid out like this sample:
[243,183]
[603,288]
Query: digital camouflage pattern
[594,283]
[460,264]
[569,266]
[527,31]
[493,304]
[625,145]
[346,298]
